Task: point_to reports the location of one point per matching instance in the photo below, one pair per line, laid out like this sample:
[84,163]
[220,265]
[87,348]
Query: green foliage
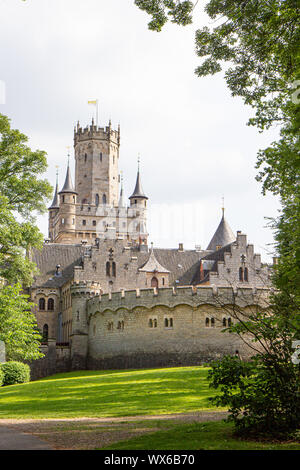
[18,327]
[15,373]
[1,376]
[21,193]
[263,398]
[179,12]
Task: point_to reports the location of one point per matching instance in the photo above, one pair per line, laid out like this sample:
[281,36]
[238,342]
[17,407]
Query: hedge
[15,373]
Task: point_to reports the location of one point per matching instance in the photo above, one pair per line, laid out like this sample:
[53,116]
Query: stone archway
[154,282]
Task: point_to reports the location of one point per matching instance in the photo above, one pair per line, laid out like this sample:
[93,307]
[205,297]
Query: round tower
[138,206]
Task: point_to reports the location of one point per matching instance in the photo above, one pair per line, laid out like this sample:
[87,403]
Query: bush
[1,376]
[15,373]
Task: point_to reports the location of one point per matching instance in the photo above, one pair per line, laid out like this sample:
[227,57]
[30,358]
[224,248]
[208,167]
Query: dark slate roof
[55,203]
[52,254]
[138,190]
[223,235]
[212,259]
[68,186]
[175,261]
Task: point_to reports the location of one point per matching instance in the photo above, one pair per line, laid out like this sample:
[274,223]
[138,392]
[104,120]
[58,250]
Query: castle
[104,298]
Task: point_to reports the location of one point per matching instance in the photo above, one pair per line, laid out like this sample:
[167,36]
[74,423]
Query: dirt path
[91,433]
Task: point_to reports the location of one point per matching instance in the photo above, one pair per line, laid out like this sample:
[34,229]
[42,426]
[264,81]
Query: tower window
[114,271]
[50,304]
[207,322]
[45,333]
[84,222]
[241,278]
[97,199]
[42,304]
[246,274]
[85,158]
[104,199]
[94,223]
[108,268]
[100,156]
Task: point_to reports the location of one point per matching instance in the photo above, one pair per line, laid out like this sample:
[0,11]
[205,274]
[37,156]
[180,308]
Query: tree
[18,328]
[21,193]
[257,43]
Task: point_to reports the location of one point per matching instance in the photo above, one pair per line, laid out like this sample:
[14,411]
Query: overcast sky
[191,134]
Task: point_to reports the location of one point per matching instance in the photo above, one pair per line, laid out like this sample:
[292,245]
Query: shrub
[1,376]
[15,373]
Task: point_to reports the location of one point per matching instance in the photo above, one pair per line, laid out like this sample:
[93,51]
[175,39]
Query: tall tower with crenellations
[97,164]
[94,208]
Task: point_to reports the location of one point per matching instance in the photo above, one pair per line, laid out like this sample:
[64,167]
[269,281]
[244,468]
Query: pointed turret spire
[121,200]
[223,235]
[138,190]
[68,186]
[55,203]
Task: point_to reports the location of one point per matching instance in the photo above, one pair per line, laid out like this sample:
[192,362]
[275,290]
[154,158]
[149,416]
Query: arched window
[42,304]
[246,274]
[150,324]
[45,333]
[114,270]
[224,321]
[241,277]
[84,201]
[163,281]
[100,156]
[108,268]
[212,321]
[155,323]
[97,199]
[50,305]
[154,282]
[85,158]
[166,323]
[229,321]
[171,322]
[104,199]
[207,321]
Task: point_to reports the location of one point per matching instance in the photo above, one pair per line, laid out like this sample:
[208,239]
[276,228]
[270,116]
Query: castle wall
[165,327]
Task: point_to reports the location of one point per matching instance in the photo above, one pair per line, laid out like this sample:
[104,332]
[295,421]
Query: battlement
[95,132]
[172,297]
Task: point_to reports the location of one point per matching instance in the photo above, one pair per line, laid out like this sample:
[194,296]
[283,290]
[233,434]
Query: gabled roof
[223,235]
[152,265]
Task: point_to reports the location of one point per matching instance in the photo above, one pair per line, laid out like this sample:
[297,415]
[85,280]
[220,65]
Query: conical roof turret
[138,190]
[68,186]
[223,235]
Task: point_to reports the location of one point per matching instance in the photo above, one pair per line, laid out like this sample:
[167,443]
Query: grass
[109,394]
[198,436]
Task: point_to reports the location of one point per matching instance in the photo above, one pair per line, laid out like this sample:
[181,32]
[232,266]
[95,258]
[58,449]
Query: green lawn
[109,393]
[198,436]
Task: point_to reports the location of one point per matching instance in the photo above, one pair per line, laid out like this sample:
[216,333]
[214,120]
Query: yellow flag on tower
[93,102]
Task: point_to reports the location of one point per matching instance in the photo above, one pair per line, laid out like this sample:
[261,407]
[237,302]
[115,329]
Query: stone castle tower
[94,207]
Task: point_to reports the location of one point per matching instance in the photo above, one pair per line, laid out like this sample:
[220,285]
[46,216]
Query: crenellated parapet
[97,133]
[172,297]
